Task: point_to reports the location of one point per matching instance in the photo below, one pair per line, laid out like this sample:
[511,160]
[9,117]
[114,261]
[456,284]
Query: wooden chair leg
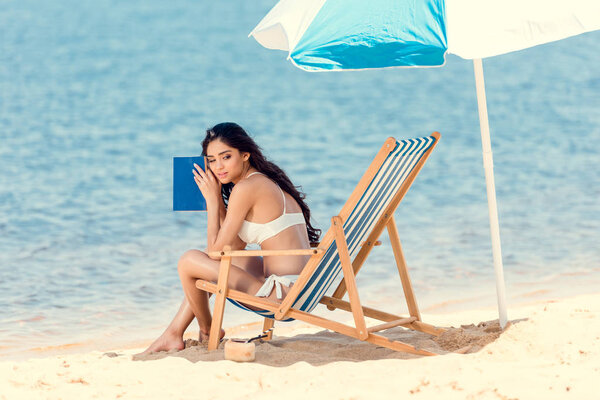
[268,324]
[413,309]
[357,311]
[220,296]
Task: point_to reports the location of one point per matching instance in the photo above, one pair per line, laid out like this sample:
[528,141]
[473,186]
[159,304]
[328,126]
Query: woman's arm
[223,225]
[222,211]
[226,233]
[213,223]
[238,244]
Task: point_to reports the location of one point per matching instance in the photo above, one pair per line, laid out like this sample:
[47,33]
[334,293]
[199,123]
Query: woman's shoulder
[251,184]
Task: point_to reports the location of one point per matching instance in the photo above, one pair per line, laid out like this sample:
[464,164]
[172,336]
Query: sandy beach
[551,350]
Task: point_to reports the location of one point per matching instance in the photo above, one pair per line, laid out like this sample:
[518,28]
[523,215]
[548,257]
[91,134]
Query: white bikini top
[252,232]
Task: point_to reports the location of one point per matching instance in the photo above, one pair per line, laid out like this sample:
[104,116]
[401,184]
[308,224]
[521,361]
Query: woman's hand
[209,185]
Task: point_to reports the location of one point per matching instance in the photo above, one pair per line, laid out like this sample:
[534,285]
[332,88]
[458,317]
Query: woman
[249,200]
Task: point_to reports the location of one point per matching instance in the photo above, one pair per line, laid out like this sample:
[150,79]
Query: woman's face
[227,163]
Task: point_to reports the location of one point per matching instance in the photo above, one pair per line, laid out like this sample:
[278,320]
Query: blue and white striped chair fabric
[362,219]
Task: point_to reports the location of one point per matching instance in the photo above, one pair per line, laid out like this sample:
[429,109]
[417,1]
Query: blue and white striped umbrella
[335,35]
[360,34]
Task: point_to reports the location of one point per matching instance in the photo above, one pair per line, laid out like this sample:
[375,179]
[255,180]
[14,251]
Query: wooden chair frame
[350,268]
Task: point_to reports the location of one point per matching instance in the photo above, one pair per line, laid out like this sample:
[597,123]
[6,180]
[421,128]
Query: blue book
[186,195]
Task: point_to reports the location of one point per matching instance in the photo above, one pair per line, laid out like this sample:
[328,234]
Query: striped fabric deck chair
[344,248]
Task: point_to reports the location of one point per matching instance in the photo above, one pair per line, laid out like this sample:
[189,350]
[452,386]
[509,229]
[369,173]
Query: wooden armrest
[258,253]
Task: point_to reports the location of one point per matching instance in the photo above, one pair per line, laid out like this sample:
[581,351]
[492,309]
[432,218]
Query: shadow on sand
[325,347]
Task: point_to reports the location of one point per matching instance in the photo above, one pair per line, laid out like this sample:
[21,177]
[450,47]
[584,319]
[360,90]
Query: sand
[551,350]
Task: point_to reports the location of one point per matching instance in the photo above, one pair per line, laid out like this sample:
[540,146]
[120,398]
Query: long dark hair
[235,136]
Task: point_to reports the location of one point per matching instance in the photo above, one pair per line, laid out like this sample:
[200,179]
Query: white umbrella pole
[488,164]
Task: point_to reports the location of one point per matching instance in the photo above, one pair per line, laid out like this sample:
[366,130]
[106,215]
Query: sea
[97,97]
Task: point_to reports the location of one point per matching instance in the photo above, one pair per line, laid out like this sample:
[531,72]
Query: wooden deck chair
[344,248]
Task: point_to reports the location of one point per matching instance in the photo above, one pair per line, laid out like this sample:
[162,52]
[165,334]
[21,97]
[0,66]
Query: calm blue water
[97,97]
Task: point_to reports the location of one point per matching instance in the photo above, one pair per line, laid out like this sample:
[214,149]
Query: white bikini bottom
[276,281]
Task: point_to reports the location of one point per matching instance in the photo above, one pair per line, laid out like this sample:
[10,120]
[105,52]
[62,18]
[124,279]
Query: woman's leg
[172,337]
[252,265]
[195,264]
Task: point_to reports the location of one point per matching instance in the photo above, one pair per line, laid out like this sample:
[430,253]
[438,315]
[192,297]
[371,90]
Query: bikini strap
[282,195]
[254,173]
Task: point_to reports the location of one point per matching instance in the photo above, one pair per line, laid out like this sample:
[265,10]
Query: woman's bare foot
[165,342]
[203,337]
